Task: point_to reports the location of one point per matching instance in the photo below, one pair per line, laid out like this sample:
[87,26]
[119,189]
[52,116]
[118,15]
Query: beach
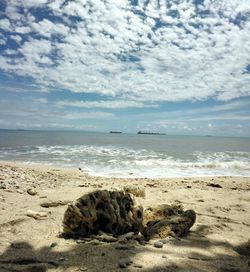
[218,241]
[124,136]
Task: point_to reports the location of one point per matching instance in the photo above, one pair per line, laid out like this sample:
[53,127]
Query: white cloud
[28,111]
[197,114]
[33,3]
[40,100]
[88,115]
[2,42]
[196,123]
[108,104]
[114,51]
[47,28]
[229,106]
[12,10]
[10,52]
[22,29]
[35,47]
[27,3]
[16,38]
[5,25]
[229,117]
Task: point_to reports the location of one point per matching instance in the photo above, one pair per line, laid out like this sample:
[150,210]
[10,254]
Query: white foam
[126,162]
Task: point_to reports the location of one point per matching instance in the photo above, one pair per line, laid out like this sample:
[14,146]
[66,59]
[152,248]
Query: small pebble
[80,241]
[123,263]
[142,242]
[32,192]
[37,215]
[54,244]
[107,238]
[137,266]
[158,244]
[95,242]
[87,239]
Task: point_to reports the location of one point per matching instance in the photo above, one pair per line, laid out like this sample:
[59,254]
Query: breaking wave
[126,162]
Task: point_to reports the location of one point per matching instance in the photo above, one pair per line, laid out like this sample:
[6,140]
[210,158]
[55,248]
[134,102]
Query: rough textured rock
[109,211]
[166,220]
[115,212]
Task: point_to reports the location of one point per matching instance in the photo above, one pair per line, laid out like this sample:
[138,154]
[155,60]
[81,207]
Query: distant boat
[115,132]
[150,133]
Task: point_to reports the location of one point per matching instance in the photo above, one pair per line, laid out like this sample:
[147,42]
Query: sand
[219,240]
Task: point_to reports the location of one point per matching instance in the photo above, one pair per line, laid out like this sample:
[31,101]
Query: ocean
[129,155]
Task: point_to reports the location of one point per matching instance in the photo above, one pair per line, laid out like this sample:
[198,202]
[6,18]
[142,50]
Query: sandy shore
[219,240]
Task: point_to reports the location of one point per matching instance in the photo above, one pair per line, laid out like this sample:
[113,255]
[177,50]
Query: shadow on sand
[186,254]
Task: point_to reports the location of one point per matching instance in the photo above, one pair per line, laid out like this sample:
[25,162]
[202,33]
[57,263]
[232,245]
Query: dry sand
[219,240]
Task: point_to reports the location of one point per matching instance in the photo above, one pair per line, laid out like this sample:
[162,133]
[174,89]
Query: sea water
[129,155]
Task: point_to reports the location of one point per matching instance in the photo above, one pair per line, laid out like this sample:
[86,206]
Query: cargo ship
[119,132]
[150,133]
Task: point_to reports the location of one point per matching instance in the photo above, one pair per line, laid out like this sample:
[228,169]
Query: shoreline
[130,176]
[217,241]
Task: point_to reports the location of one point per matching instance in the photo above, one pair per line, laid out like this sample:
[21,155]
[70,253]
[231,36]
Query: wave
[126,162]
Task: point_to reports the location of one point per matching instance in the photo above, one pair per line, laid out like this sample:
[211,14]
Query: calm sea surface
[129,155]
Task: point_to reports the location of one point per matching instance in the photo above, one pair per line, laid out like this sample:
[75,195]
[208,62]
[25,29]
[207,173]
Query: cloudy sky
[174,66]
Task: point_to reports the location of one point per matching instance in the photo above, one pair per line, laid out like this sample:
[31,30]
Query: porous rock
[166,220]
[108,211]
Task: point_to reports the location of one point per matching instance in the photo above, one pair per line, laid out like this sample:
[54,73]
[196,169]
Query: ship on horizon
[119,132]
[150,133]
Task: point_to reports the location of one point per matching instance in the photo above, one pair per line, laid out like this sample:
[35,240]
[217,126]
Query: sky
[173,66]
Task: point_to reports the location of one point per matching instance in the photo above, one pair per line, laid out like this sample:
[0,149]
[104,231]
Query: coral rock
[109,211]
[168,220]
